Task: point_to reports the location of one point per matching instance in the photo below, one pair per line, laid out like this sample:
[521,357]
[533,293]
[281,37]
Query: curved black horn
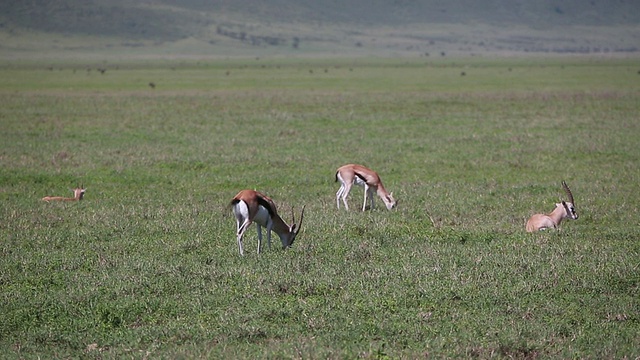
[568,191]
[299,226]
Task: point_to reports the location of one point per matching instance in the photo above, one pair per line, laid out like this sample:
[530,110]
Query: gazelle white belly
[358,181]
[262,216]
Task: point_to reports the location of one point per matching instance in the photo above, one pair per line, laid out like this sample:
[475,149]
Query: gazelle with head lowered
[78,193]
[357,174]
[251,206]
[563,210]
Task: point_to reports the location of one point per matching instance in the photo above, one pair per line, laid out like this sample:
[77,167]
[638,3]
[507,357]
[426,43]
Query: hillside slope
[359,26]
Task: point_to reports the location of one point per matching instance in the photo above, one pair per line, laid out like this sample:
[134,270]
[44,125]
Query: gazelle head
[569,206]
[294,228]
[79,191]
[389,201]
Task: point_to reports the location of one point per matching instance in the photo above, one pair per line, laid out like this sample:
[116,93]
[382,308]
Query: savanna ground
[147,266]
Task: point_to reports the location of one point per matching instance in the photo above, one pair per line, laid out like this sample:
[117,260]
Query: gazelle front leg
[269,227]
[371,202]
[259,236]
[366,194]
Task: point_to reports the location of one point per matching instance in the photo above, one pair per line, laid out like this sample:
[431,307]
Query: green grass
[148,266]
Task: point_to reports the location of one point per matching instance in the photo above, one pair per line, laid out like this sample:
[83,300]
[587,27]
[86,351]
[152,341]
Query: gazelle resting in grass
[78,193]
[251,206]
[357,174]
[563,210]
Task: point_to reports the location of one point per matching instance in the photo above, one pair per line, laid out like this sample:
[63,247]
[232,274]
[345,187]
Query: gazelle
[357,174]
[563,210]
[78,193]
[251,206]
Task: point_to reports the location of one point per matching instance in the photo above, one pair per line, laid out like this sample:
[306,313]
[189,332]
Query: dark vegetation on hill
[289,22]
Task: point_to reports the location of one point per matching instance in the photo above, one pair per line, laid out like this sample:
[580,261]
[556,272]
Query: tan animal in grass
[357,174]
[78,194]
[251,206]
[563,210]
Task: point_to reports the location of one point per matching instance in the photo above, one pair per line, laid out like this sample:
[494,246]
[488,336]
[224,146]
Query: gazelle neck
[381,191]
[386,197]
[558,214]
[282,229]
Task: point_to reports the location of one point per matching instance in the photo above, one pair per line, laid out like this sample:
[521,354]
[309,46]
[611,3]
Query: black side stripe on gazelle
[266,205]
[360,177]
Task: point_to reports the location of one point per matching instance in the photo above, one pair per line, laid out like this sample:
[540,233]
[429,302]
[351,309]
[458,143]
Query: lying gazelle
[357,174]
[251,206]
[563,210]
[78,193]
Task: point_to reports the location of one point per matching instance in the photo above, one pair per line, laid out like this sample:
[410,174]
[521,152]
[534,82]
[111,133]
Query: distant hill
[360,26]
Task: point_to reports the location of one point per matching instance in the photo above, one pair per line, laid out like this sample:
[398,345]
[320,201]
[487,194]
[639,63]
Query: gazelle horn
[568,191]
[299,226]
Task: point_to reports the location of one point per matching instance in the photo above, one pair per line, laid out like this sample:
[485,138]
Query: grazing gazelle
[563,210]
[251,206]
[357,174]
[78,193]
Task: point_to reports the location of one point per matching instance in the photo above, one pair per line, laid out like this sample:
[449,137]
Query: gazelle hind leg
[241,212]
[240,245]
[344,192]
[242,227]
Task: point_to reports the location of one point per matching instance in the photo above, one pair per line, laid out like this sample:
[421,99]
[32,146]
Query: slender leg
[241,213]
[366,193]
[240,233]
[345,193]
[259,236]
[240,244]
[370,192]
[269,227]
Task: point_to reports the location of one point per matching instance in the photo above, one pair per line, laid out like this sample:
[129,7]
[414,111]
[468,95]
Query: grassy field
[147,266]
